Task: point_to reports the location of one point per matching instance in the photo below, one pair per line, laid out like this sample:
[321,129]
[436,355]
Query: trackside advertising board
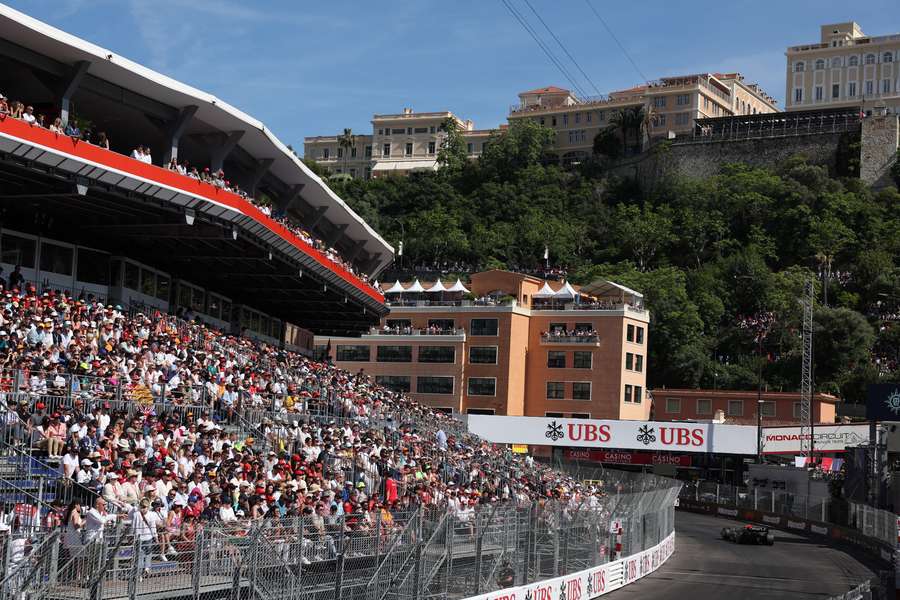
[826,438]
[624,435]
[590,583]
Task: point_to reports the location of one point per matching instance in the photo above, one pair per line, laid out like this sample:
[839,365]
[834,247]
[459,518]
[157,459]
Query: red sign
[628,458]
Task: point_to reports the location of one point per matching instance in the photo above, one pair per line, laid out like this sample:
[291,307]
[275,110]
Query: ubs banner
[626,435]
[827,438]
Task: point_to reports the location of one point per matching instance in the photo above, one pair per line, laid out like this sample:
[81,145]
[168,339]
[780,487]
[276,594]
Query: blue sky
[313,68]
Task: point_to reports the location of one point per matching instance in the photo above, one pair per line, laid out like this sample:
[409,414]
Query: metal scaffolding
[807,444]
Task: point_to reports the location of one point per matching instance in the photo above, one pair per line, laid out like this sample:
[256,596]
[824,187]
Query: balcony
[423,334]
[589,338]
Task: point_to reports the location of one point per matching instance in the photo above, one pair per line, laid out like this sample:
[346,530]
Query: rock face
[878,148]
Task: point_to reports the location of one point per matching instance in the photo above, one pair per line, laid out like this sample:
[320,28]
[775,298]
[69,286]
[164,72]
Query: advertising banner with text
[826,438]
[625,435]
[623,457]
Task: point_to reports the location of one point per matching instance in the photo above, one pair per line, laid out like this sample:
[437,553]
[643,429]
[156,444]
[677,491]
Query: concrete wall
[878,149]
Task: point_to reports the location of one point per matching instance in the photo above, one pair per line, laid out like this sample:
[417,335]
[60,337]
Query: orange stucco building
[509,344]
[739,406]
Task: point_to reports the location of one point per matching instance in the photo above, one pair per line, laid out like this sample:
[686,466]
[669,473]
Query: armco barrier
[593,582]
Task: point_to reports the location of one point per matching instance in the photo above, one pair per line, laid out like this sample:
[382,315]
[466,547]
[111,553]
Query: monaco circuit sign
[627,435]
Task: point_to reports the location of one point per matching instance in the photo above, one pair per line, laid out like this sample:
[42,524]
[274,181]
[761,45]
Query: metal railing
[435,551]
[871,522]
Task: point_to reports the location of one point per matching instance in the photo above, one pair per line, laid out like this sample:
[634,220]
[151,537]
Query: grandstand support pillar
[317,216]
[355,250]
[372,263]
[262,168]
[69,86]
[175,130]
[285,202]
[338,232]
[218,154]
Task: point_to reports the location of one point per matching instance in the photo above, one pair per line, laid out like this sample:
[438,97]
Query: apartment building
[846,68]
[739,406]
[672,103]
[512,344]
[398,145]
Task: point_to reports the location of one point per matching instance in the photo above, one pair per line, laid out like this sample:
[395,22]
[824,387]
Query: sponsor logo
[728,512]
[819,530]
[680,436]
[768,519]
[645,435]
[589,432]
[554,431]
[796,525]
[892,402]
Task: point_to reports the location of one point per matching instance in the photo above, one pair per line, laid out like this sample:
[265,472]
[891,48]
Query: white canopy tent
[395,289]
[566,291]
[416,287]
[437,288]
[545,292]
[458,287]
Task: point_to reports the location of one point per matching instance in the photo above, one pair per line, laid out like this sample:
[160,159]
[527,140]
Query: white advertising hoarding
[631,435]
[826,438]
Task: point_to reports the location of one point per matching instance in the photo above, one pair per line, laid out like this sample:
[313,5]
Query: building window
[851,89]
[58,259]
[352,172]
[395,383]
[360,353]
[853,61]
[682,99]
[394,354]
[483,355]
[437,354]
[580,415]
[639,363]
[479,411]
[820,64]
[408,131]
[629,361]
[767,409]
[553,121]
[818,93]
[431,147]
[887,57]
[638,394]
[581,390]
[836,90]
[554,415]
[353,152]
[577,118]
[870,88]
[629,393]
[565,120]
[482,386]
[659,102]
[870,59]
[556,390]
[442,324]
[639,337]
[421,130]
[381,132]
[398,323]
[673,406]
[659,120]
[682,118]
[470,148]
[836,62]
[735,408]
[326,153]
[796,410]
[434,385]
[799,67]
[885,86]
[629,333]
[582,359]
[486,327]
[798,95]
[386,151]
[556,360]
[368,152]
[704,406]
[409,148]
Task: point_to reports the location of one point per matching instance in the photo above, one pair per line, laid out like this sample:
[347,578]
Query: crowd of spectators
[142,153]
[263,432]
[570,333]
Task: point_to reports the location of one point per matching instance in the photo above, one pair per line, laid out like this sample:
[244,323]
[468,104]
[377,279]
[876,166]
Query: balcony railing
[415,331]
[576,338]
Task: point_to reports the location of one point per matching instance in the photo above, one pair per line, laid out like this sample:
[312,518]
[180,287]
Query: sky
[313,68]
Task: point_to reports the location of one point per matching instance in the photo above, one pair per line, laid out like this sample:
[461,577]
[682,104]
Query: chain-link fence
[427,552]
[871,522]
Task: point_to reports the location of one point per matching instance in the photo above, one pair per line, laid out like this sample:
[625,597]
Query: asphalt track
[707,567]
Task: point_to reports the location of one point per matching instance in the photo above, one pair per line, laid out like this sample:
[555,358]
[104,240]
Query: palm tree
[346,141]
[629,121]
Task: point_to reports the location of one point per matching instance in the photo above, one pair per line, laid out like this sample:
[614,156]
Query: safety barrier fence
[427,552]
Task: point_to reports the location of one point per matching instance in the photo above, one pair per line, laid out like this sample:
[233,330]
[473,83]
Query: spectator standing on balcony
[16,278]
[4,106]
[102,140]
[56,127]
[72,129]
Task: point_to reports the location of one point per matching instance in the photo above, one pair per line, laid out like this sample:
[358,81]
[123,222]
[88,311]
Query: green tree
[346,141]
[516,149]
[642,233]
[452,154]
[608,143]
[842,343]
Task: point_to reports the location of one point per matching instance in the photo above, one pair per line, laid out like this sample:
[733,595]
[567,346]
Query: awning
[544,292]
[566,291]
[415,287]
[395,289]
[458,287]
[603,289]
[437,287]
[405,165]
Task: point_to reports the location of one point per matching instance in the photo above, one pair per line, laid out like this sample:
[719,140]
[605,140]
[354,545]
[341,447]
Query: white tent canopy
[436,288]
[458,287]
[545,292]
[415,287]
[395,289]
[566,291]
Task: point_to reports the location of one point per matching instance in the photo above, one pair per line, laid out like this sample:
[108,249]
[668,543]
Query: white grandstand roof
[258,140]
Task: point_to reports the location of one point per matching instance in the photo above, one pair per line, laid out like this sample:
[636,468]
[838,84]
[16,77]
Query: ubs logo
[554,431]
[645,435]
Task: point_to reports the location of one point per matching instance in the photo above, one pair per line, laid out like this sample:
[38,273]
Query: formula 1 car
[749,534]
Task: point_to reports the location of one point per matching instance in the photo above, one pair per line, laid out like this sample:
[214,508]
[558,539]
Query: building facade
[739,406]
[511,349]
[398,145]
[845,68]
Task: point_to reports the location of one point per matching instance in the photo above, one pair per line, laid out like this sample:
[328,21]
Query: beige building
[673,103]
[399,144]
[515,345]
[845,68]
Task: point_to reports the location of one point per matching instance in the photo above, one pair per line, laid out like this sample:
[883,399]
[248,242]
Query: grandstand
[164,430]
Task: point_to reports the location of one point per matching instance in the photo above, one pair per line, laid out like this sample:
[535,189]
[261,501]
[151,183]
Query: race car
[749,534]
